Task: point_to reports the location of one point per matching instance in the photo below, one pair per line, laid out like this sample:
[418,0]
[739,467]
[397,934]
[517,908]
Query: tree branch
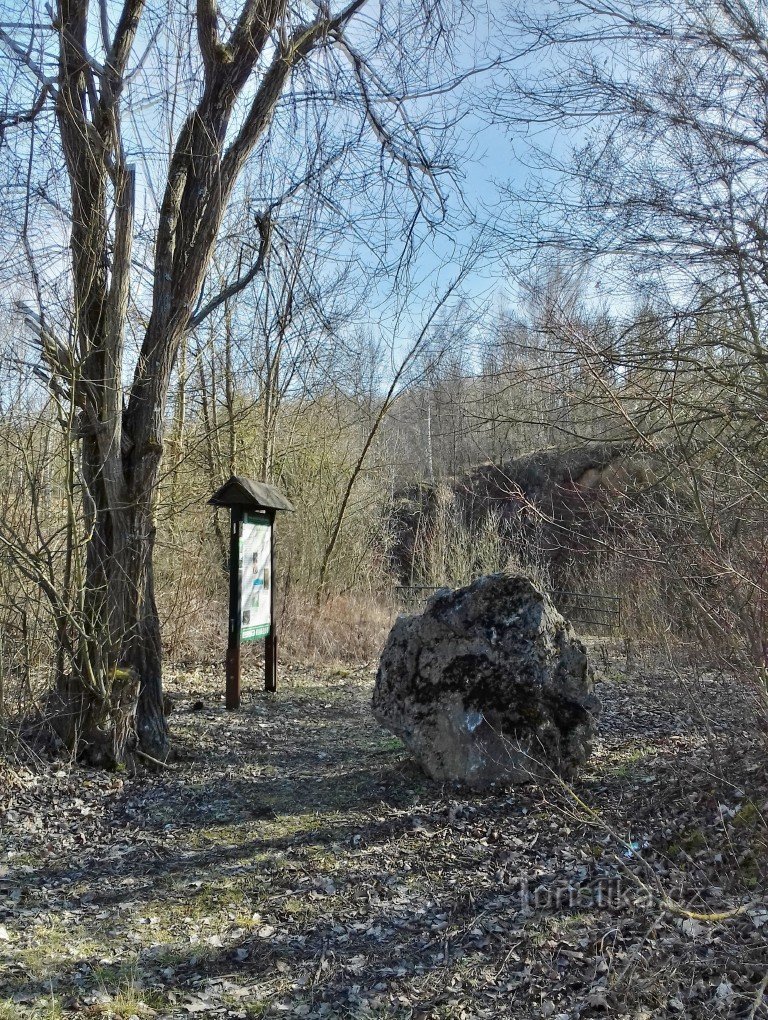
[208,34]
[264,226]
[290,52]
[24,116]
[21,54]
[125,34]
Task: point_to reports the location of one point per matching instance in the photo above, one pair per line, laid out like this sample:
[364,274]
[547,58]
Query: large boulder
[488,684]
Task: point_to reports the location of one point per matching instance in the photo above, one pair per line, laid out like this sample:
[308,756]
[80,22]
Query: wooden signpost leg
[232,692]
[270,643]
[270,661]
[232,695]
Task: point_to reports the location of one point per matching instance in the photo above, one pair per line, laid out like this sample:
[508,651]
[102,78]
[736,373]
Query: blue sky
[490,157]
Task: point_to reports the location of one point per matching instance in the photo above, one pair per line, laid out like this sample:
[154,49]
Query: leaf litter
[295,862]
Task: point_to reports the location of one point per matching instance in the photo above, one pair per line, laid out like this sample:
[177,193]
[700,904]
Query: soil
[295,862]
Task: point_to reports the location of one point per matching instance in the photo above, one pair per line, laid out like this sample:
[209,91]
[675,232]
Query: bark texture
[115,633]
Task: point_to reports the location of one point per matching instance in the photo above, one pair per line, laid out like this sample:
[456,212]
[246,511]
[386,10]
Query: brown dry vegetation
[294,862]
[290,859]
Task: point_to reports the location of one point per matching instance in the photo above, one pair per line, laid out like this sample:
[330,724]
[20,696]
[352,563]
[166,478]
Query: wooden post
[232,694]
[270,642]
[243,495]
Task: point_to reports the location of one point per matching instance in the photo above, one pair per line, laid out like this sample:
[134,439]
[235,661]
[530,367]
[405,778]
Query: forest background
[562,372]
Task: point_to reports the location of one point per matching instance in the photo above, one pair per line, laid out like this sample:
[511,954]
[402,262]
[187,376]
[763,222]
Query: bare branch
[208,34]
[264,227]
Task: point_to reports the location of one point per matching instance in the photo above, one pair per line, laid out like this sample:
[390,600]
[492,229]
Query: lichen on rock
[488,684]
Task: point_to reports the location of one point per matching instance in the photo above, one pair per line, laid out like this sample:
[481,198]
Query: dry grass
[345,628]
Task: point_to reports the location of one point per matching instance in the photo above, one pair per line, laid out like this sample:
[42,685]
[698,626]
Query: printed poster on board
[255,580]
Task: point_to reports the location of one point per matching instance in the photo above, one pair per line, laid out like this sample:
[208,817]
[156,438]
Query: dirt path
[295,863]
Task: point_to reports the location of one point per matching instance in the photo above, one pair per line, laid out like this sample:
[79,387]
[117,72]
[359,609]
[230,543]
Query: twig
[661,897]
[505,961]
[155,761]
[758,998]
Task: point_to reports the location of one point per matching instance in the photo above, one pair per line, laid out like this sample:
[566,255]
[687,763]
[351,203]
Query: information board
[255,579]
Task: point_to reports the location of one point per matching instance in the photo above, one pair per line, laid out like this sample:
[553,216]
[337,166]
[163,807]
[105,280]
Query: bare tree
[77,80]
[652,175]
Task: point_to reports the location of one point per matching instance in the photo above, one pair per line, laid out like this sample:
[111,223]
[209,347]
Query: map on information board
[255,580]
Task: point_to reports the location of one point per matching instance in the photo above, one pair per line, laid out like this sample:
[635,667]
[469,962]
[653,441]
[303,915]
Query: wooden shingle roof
[245,492]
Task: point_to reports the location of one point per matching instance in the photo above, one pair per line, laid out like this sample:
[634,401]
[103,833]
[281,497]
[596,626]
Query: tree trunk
[100,729]
[111,701]
[146,659]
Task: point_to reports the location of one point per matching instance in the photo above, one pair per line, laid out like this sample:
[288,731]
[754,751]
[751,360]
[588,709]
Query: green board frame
[255,570]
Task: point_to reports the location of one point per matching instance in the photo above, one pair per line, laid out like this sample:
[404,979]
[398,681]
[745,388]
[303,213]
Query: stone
[489,684]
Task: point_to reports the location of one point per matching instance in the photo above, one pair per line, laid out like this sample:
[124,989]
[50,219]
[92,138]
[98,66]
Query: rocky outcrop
[488,684]
[554,506]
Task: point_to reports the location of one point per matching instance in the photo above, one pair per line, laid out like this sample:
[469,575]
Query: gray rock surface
[488,684]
